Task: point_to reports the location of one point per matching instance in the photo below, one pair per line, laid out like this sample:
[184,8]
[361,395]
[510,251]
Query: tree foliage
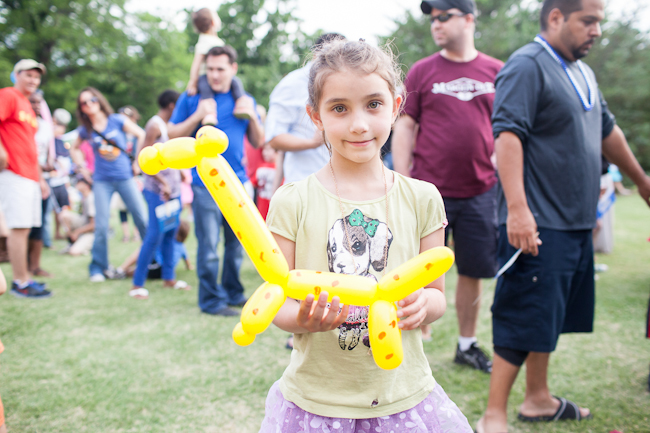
[620,59]
[129,57]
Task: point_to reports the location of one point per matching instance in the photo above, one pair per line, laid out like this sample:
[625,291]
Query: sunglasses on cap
[444,17]
[94,100]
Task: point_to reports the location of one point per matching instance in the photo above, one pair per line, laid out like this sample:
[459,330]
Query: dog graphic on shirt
[366,249]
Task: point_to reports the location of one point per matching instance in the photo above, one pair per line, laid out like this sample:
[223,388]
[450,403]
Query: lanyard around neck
[587,105]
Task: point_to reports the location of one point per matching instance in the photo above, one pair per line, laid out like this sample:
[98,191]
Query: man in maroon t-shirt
[446,133]
[22,187]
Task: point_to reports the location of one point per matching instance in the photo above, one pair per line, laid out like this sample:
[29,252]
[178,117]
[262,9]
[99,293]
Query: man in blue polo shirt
[221,67]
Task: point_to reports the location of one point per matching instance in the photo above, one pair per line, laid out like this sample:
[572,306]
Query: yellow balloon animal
[204,152]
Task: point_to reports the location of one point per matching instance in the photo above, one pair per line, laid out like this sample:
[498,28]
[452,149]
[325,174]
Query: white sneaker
[97,278]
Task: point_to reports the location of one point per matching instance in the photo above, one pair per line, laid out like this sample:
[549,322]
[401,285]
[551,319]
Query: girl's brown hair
[103,105]
[355,56]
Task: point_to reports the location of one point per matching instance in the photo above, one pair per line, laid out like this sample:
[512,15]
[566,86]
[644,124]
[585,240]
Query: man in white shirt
[290,130]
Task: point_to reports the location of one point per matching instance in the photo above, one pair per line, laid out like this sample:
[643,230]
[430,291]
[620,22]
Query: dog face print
[365,249]
[367,246]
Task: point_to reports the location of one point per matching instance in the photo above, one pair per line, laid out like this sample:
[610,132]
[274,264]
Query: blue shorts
[473,224]
[541,297]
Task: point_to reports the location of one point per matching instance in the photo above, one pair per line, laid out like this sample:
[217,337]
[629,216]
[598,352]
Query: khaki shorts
[83,245]
[21,201]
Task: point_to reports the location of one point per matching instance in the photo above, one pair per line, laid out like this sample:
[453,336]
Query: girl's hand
[316,317]
[413,311]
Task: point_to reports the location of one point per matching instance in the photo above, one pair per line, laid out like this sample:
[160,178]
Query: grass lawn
[91,359]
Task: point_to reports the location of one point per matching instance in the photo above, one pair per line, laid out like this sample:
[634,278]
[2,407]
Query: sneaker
[33,290]
[114,273]
[239,304]
[225,311]
[97,278]
[474,357]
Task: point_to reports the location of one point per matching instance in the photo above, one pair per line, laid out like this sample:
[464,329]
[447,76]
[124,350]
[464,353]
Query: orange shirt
[18,126]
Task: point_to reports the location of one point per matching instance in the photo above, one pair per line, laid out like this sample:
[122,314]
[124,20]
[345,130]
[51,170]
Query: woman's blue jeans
[103,190]
[152,240]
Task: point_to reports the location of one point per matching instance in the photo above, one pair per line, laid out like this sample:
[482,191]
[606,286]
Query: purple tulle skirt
[435,414]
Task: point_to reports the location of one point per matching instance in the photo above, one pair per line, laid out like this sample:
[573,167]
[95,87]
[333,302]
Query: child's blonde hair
[356,56]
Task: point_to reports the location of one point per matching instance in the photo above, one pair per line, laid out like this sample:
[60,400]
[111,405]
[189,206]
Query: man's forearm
[255,133]
[403,142]
[291,143]
[185,128]
[510,165]
[617,151]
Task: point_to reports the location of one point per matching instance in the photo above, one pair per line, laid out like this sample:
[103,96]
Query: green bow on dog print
[356,218]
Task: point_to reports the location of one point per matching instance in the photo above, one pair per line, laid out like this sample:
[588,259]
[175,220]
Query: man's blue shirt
[234,128]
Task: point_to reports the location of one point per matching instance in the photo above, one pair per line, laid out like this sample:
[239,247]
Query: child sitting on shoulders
[355,216]
[207,24]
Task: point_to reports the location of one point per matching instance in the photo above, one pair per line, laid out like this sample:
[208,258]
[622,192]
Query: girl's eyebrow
[337,100]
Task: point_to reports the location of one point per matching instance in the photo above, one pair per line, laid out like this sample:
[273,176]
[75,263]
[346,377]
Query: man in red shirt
[446,133]
[21,185]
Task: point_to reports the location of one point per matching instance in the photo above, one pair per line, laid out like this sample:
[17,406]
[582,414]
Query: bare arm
[3,283]
[194,74]
[279,171]
[3,157]
[310,315]
[404,134]
[87,228]
[291,143]
[428,304]
[521,224]
[255,131]
[186,127]
[617,151]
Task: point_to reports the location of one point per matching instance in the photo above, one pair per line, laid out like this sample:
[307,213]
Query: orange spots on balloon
[262,256]
[241,203]
[396,277]
[382,335]
[428,266]
[335,283]
[239,235]
[222,184]
[389,356]
[267,296]
[393,324]
[214,172]
[255,311]
[317,290]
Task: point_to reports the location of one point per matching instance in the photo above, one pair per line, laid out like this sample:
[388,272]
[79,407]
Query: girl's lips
[360,143]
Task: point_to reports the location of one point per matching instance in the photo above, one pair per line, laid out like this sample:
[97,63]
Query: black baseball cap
[466,6]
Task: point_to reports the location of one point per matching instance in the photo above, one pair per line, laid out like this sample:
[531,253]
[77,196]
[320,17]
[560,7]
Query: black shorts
[541,297]
[36,233]
[473,224]
[60,198]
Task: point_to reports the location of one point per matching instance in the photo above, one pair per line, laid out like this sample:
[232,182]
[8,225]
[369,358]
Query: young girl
[355,216]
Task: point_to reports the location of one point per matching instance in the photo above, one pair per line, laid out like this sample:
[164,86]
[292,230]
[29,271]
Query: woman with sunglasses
[107,132]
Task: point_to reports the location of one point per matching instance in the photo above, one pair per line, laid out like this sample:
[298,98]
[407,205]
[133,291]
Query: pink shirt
[452,103]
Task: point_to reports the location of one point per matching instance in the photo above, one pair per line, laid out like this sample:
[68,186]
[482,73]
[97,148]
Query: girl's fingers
[412,321]
[411,304]
[316,317]
[305,311]
[342,316]
[331,314]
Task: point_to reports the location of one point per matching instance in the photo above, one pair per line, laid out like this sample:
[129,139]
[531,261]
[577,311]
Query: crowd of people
[484,157]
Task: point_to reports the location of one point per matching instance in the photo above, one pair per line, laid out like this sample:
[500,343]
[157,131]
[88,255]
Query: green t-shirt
[333,373]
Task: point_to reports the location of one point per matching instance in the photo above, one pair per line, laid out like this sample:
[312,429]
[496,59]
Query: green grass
[91,359]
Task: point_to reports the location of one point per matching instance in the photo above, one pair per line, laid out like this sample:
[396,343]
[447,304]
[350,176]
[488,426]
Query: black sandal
[568,410]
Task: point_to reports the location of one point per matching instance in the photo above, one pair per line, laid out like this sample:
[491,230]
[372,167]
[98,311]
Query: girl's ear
[397,105]
[315,117]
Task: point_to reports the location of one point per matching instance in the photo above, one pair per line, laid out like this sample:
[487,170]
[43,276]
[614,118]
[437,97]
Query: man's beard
[582,51]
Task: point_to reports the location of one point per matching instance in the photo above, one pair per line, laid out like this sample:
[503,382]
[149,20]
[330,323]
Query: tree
[620,60]
[130,58]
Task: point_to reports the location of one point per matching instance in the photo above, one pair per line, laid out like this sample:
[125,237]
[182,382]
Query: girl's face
[89,103]
[356,112]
